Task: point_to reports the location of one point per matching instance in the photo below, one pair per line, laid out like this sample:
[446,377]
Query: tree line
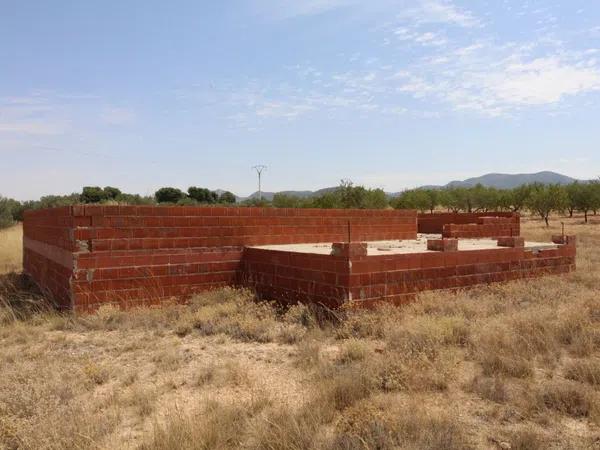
[11,211]
[537,198]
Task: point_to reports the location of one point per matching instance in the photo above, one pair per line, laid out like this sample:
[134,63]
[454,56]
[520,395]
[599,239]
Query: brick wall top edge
[116,210]
[483,251]
[477,214]
[63,211]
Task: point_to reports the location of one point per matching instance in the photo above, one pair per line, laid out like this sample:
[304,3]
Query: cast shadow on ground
[20,297]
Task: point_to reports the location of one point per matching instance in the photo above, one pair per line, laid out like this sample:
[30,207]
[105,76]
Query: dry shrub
[527,439]
[424,336]
[503,350]
[218,427]
[46,409]
[308,354]
[493,389]
[168,359]
[368,323]
[575,331]
[512,344]
[215,426]
[342,386]
[142,399]
[439,304]
[238,316]
[226,311]
[284,429]
[568,397]
[183,328]
[302,314]
[386,425]
[584,370]
[95,373]
[353,350]
[229,373]
[505,364]
[20,299]
[392,376]
[392,373]
[290,334]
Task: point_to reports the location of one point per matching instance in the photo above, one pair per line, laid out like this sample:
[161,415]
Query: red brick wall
[52,277]
[475,230]
[85,256]
[293,277]
[366,280]
[397,278]
[141,254]
[47,252]
[434,223]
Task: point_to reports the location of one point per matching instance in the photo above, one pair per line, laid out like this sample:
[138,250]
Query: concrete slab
[418,245]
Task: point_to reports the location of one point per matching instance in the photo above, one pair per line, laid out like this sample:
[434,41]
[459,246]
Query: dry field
[506,366]
[11,249]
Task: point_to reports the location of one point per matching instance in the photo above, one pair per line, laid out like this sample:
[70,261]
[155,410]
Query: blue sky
[391,94]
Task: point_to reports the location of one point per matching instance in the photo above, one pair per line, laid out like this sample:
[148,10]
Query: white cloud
[437,58]
[500,79]
[541,81]
[440,11]
[427,38]
[418,11]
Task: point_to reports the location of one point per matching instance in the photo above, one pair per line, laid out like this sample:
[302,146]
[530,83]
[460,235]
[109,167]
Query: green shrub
[168,195]
[92,194]
[6,216]
[202,195]
[112,193]
[227,197]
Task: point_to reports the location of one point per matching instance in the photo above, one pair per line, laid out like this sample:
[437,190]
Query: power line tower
[259,170]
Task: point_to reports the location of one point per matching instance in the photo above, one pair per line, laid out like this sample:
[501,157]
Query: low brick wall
[292,277]
[434,223]
[84,256]
[480,230]
[366,280]
[48,247]
[397,278]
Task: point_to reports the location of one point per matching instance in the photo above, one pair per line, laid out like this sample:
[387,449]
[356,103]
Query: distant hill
[507,181]
[302,194]
[497,180]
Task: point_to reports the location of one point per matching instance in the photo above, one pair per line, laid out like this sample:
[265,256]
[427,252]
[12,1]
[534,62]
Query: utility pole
[259,170]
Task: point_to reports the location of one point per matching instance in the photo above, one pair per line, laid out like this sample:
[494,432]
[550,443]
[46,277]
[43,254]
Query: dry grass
[11,249]
[506,365]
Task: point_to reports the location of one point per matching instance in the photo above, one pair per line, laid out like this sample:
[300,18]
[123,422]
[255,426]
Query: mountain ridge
[493,179]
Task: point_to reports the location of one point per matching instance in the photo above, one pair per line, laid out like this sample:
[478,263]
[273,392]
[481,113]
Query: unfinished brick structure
[86,256]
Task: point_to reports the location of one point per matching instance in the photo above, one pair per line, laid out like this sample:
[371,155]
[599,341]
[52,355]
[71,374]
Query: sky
[388,94]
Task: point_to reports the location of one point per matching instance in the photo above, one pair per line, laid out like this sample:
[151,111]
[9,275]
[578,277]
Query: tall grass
[11,249]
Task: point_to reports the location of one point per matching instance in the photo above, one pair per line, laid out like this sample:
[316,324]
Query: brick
[511,241]
[442,245]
